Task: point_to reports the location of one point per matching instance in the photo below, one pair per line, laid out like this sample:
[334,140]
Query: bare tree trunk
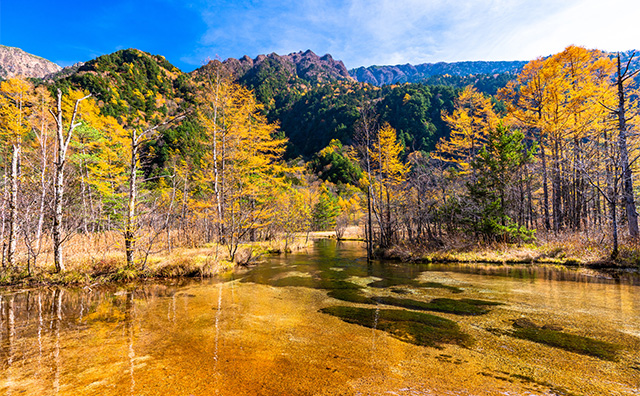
[63,145]
[13,198]
[369,203]
[627,179]
[217,180]
[614,219]
[545,187]
[129,227]
[13,206]
[557,189]
[83,194]
[57,216]
[4,216]
[612,194]
[43,190]
[365,129]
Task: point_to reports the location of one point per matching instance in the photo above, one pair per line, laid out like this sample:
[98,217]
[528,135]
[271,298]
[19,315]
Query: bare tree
[130,226]
[627,179]
[62,142]
[365,132]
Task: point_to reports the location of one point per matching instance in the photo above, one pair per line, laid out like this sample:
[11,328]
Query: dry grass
[570,249]
[99,258]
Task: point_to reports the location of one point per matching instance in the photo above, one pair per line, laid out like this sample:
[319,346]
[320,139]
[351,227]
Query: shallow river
[323,322]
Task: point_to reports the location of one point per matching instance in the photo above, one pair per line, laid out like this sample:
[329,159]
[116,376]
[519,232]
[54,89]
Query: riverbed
[325,322]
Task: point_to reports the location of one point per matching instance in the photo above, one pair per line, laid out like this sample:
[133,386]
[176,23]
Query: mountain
[304,65]
[65,72]
[425,72]
[381,75]
[279,80]
[135,86]
[16,62]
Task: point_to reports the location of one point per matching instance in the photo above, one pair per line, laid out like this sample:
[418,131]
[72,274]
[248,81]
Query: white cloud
[366,32]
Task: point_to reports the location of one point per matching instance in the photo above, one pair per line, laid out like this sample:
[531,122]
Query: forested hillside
[312,98]
[134,86]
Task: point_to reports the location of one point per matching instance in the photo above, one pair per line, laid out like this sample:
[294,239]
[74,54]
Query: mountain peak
[304,65]
[16,62]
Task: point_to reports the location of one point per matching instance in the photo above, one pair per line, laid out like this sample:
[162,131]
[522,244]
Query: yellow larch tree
[39,170]
[388,175]
[472,119]
[557,102]
[15,98]
[68,116]
[242,170]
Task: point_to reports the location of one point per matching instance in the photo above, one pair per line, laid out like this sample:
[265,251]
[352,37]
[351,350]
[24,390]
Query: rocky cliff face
[381,75]
[304,65]
[16,62]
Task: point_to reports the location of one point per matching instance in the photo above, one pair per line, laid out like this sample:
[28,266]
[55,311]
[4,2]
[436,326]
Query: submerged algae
[350,295]
[569,342]
[446,305]
[412,327]
[389,282]
[312,283]
[463,306]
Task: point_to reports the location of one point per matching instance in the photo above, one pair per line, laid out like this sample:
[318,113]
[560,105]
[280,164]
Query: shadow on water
[346,274]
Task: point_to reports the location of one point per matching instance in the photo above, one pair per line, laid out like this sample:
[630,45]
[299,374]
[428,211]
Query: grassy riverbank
[572,250]
[89,263]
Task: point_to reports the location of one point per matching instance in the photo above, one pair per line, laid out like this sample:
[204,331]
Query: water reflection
[542,272]
[260,334]
[42,333]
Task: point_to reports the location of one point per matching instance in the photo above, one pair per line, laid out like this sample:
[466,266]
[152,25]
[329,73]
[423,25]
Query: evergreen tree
[497,166]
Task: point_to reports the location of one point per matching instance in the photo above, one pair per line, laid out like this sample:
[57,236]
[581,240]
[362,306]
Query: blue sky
[359,32]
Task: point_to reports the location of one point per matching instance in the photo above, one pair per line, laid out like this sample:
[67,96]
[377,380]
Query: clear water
[260,331]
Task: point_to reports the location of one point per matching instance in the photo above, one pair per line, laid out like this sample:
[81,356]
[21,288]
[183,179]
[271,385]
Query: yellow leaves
[385,157]
[472,119]
[130,68]
[160,101]
[406,98]
[387,170]
[17,89]
[242,167]
[136,92]
[88,110]
[560,97]
[16,98]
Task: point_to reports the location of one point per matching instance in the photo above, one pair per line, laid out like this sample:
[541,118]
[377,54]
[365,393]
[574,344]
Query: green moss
[436,285]
[569,342]
[480,302]
[389,282]
[301,281]
[412,327]
[350,295]
[448,305]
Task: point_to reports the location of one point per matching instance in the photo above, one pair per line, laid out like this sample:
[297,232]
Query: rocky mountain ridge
[383,75]
[304,65]
[16,62]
